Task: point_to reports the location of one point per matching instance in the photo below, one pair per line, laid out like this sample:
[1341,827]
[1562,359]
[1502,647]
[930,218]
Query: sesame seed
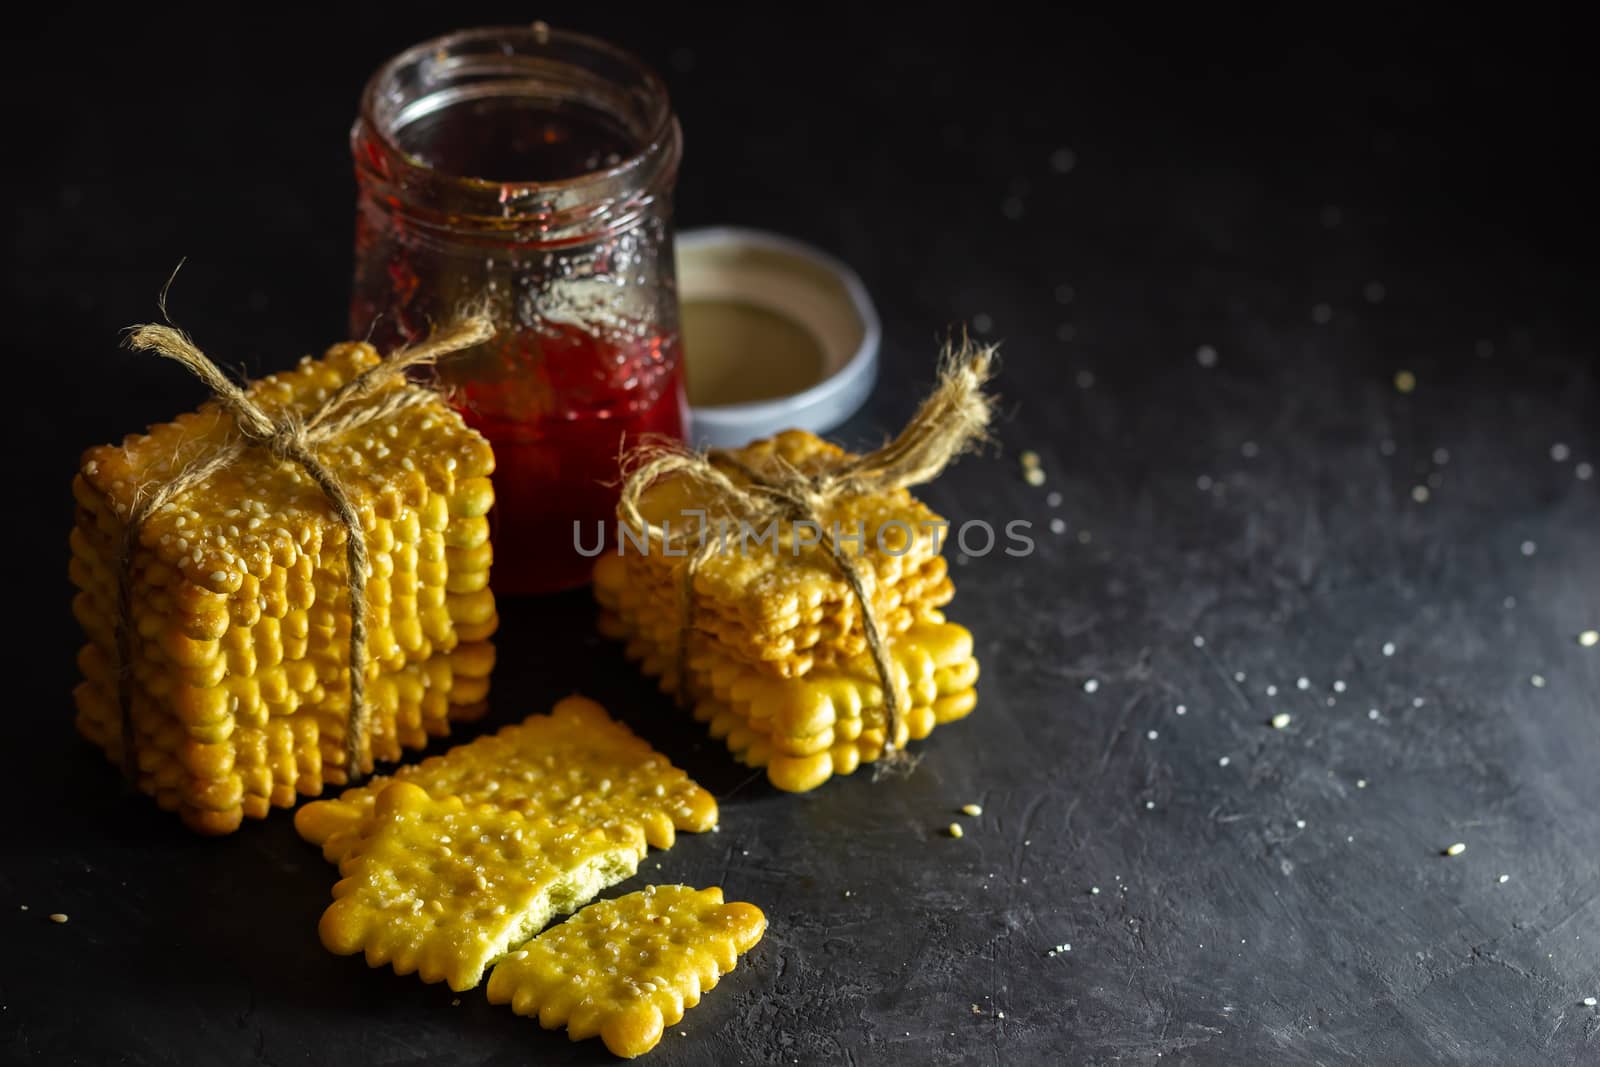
[1560,452]
[1238,676]
[1420,493]
[1053,499]
[1224,761]
[1152,735]
[1361,783]
[1529,548]
[1456,849]
[1584,471]
[1417,702]
[1281,720]
[1300,824]
[1589,638]
[1029,458]
[1058,526]
[1094,891]
[1206,356]
[1199,642]
[1180,710]
[972,809]
[954,830]
[1149,805]
[1504,878]
[1272,690]
[1302,683]
[1373,713]
[1033,476]
[1590,1002]
[1388,648]
[1405,381]
[58,917]
[1338,687]
[1537,681]
[1092,685]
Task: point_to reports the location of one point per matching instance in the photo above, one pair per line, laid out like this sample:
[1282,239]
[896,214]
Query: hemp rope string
[950,421]
[294,438]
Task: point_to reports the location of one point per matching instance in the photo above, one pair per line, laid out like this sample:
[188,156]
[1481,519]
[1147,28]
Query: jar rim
[660,119]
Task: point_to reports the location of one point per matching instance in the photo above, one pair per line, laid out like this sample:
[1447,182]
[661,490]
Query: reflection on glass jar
[528,173]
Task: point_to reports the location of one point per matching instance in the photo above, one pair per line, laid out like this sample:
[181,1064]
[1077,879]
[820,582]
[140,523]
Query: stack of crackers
[238,678]
[776,658]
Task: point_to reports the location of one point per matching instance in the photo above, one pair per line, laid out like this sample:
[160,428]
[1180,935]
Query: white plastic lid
[776,336]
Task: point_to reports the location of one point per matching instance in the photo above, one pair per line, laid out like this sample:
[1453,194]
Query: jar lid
[776,336]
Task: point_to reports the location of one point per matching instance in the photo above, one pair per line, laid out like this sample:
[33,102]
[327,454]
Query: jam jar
[527,173]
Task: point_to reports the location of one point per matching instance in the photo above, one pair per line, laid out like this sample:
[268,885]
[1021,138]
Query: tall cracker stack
[239,596]
[770,641]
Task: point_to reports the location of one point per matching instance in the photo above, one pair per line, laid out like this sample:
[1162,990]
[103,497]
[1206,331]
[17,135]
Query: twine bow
[950,421]
[374,395]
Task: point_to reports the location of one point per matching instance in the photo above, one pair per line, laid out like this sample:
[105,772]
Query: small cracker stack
[777,660]
[240,603]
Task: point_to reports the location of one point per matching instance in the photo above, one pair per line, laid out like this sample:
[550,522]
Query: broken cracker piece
[576,764]
[626,969]
[444,889]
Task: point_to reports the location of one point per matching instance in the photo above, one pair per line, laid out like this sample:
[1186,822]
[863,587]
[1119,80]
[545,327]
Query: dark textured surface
[1224,931]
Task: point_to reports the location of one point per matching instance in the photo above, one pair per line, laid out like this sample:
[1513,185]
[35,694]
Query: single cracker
[626,969]
[576,764]
[444,889]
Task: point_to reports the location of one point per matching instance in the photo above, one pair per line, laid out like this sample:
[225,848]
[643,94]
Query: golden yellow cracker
[626,969]
[444,889]
[797,765]
[576,764]
[761,582]
[790,654]
[803,731]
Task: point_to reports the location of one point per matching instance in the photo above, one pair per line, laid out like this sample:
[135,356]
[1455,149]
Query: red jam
[558,429]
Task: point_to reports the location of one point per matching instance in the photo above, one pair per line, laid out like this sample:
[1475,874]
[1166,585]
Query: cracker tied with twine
[227,648]
[754,487]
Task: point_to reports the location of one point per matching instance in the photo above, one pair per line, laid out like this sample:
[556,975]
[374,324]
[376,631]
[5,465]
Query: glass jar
[528,173]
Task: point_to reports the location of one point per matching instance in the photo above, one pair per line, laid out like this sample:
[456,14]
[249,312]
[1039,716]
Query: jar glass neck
[527,132]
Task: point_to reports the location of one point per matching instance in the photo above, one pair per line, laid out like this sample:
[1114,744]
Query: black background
[1231,174]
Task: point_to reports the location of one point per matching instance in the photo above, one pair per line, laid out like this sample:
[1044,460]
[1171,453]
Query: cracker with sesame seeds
[576,764]
[624,970]
[443,889]
[786,646]
[805,730]
[774,588]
